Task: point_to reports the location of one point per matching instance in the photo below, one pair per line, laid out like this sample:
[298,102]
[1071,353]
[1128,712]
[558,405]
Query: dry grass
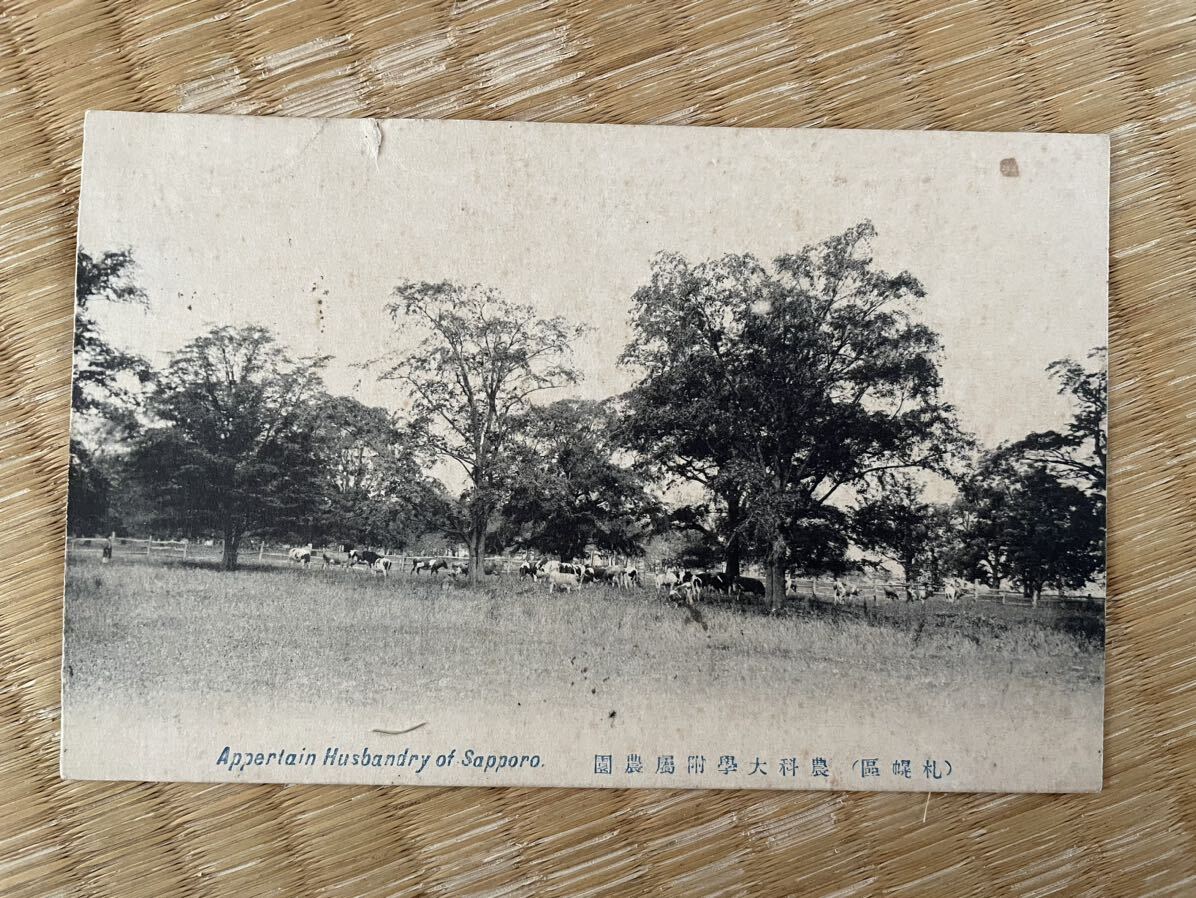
[147,628]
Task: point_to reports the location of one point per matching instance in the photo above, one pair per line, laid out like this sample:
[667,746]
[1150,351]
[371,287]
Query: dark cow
[750,585]
[528,569]
[606,575]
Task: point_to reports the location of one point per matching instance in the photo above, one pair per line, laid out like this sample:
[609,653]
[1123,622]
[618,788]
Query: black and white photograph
[468,453]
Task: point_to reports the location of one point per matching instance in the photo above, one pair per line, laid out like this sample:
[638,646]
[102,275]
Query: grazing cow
[563,581]
[718,581]
[844,591]
[363,556]
[300,555]
[916,592]
[552,566]
[952,591]
[330,560]
[666,580]
[528,569]
[461,568]
[890,593]
[431,565]
[689,587]
[608,576]
[380,566]
[750,585]
[629,577]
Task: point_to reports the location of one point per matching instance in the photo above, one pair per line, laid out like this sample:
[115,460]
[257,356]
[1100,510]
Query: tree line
[788,415]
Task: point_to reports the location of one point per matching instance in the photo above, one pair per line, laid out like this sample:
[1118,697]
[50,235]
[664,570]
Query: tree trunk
[232,544]
[734,555]
[774,587]
[479,519]
[477,555]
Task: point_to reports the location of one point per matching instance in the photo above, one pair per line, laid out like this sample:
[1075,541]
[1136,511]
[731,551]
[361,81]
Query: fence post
[261,548]
[149,544]
[184,549]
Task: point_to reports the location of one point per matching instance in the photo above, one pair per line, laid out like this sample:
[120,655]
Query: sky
[306,226]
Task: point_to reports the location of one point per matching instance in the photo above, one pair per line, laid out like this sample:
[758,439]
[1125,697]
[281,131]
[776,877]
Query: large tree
[373,489]
[98,365]
[104,390]
[787,387]
[232,445]
[1019,521]
[481,360]
[571,490]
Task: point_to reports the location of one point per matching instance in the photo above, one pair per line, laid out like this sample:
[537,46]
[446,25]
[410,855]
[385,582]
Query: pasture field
[155,634]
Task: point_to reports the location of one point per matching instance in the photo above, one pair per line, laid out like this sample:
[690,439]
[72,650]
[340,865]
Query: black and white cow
[718,582]
[431,565]
[372,560]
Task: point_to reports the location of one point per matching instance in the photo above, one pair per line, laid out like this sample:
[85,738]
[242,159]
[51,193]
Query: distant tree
[1079,452]
[101,396]
[481,360]
[787,388]
[1020,522]
[570,490]
[89,489]
[98,364]
[982,512]
[232,446]
[896,521]
[1056,534]
[687,549]
[373,488]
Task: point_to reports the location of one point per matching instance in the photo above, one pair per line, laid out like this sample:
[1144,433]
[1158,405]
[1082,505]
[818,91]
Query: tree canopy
[570,490]
[232,446]
[1033,511]
[481,360]
[784,387]
[99,365]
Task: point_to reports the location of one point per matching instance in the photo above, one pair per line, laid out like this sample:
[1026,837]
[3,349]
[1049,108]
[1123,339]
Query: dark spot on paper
[1009,167]
[611,715]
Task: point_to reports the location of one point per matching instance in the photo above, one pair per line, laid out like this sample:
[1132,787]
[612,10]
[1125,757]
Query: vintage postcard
[574,455]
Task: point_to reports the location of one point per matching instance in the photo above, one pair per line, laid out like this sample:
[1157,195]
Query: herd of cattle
[672,582]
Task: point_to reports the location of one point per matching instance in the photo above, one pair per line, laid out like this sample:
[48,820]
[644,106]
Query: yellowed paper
[573,455]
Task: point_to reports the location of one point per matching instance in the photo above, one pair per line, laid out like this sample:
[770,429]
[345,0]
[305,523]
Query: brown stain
[1009,167]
